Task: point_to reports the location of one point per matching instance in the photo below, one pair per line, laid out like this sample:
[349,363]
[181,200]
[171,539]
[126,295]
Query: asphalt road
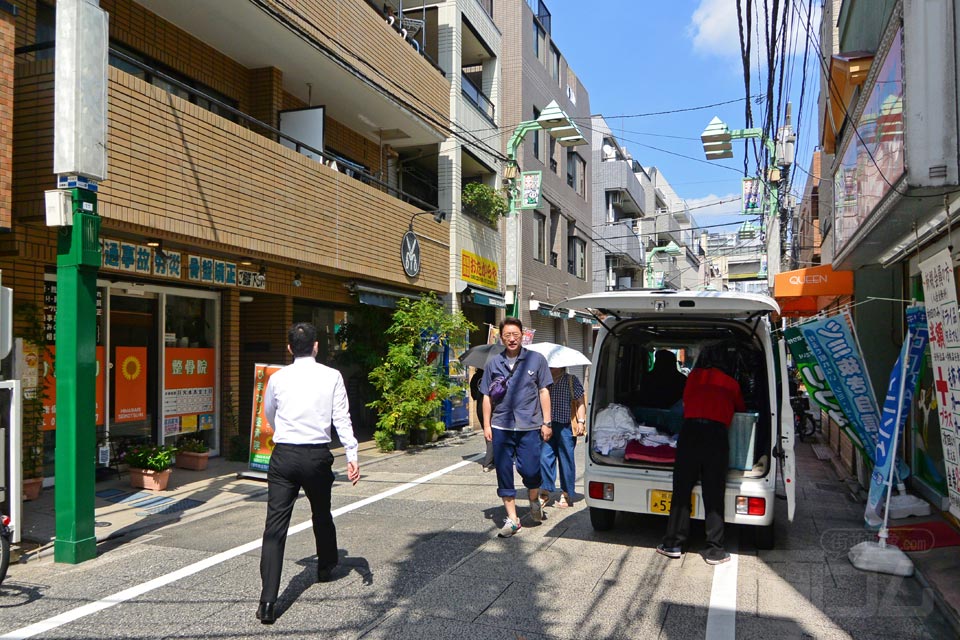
[420,559]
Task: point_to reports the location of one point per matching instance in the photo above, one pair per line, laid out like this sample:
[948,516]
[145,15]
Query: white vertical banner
[940,293]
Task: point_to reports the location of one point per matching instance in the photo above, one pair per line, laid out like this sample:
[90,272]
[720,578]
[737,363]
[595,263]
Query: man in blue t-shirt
[519,422]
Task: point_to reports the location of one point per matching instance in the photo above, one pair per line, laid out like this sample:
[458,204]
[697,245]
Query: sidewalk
[122,512]
[937,569]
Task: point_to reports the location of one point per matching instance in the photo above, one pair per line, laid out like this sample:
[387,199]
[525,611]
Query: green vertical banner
[816,384]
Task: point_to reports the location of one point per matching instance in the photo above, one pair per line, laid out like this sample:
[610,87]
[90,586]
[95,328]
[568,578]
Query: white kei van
[634,326]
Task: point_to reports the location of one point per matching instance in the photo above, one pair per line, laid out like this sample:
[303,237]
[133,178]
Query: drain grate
[171,507]
[822,451]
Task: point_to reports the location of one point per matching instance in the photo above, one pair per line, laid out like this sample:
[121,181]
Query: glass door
[190,368]
[132,374]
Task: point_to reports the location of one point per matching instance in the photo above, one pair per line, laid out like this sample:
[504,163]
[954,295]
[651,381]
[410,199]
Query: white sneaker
[509,528]
[536,510]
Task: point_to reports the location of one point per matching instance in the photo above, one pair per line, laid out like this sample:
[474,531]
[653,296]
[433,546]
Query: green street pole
[78,259]
[514,143]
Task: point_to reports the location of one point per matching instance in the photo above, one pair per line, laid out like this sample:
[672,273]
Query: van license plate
[660,502]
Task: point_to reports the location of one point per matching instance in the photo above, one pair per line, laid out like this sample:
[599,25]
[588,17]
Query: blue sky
[642,56]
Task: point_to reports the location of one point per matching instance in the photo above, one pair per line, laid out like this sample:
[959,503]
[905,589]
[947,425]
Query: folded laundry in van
[613,428]
[647,453]
[658,439]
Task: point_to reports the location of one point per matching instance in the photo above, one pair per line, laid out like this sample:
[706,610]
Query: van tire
[765,537]
[602,519]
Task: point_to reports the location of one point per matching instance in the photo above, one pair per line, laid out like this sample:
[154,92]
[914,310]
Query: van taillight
[751,506]
[601,490]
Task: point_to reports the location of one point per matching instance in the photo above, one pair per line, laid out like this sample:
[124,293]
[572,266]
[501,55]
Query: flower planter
[400,441]
[418,437]
[192,461]
[31,488]
[149,479]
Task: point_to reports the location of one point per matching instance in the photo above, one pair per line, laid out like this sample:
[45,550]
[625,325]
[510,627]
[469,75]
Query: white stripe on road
[140,589]
[722,614]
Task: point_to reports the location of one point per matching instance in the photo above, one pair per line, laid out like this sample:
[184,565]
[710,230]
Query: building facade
[888,200]
[619,203]
[555,240]
[265,163]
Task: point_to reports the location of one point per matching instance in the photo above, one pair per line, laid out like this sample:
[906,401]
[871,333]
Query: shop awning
[483,297]
[804,292]
[379,296]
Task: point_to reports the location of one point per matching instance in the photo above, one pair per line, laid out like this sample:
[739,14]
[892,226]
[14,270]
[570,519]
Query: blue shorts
[524,446]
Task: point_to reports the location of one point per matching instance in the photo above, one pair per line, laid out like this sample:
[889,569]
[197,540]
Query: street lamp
[565,131]
[410,245]
[671,249]
[717,138]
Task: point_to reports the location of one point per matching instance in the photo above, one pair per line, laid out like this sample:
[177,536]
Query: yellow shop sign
[478,270]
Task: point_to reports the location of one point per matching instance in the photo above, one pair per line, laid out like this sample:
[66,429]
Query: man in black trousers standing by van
[710,398]
[301,402]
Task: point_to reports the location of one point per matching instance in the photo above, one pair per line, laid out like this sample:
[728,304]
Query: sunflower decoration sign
[130,384]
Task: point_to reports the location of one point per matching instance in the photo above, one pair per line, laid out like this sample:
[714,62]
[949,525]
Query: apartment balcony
[666,272]
[204,180]
[618,176]
[619,239]
[343,55]
[660,229]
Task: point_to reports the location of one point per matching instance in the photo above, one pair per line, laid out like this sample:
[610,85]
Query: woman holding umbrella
[569,412]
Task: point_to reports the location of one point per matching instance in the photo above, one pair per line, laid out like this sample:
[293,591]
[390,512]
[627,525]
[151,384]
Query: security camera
[296,279]
[439,216]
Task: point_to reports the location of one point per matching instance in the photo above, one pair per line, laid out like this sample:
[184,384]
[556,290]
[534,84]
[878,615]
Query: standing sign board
[943,323]
[261,431]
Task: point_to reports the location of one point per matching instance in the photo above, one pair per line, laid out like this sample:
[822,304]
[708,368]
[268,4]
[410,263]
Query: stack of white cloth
[613,428]
[657,439]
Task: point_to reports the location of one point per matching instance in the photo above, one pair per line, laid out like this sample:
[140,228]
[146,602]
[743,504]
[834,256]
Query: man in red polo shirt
[710,398]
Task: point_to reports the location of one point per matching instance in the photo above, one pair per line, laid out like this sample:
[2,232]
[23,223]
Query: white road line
[140,589]
[722,614]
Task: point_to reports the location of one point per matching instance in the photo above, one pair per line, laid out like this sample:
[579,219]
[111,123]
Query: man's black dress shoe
[266,612]
[325,574]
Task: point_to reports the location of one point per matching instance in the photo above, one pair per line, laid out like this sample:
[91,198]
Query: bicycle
[6,534]
[803,424]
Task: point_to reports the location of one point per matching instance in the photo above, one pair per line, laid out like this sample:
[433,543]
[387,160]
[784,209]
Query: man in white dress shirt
[301,402]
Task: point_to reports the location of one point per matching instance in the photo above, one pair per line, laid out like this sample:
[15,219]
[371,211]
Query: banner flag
[261,432]
[816,384]
[833,346]
[943,324]
[913,349]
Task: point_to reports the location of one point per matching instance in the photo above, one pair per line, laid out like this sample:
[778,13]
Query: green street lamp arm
[744,134]
[518,135]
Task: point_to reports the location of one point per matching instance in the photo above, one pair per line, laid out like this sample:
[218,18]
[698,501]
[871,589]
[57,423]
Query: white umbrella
[559,356]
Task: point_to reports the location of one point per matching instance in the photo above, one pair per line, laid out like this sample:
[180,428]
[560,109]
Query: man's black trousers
[292,467]
[702,454]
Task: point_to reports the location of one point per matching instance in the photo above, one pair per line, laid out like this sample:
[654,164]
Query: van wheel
[602,519]
[765,537]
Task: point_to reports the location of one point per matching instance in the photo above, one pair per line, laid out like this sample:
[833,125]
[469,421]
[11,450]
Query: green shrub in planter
[485,202]
[153,457]
[192,445]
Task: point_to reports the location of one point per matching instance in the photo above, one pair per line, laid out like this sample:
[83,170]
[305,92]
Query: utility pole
[80,161]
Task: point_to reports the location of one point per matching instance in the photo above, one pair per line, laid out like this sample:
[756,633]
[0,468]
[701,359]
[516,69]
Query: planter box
[32,488]
[192,461]
[150,480]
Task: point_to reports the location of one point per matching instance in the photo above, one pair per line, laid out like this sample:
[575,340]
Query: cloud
[713,28]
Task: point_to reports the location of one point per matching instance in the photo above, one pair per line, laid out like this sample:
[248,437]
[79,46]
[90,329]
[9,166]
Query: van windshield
[642,371]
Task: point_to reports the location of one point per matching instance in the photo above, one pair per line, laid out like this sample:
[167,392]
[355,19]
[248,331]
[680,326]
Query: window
[539,229]
[539,40]
[201,95]
[536,137]
[46,30]
[577,257]
[576,172]
[554,165]
[555,64]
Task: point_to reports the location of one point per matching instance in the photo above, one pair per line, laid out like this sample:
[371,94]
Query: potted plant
[150,465]
[437,430]
[411,379]
[36,354]
[192,453]
[484,202]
